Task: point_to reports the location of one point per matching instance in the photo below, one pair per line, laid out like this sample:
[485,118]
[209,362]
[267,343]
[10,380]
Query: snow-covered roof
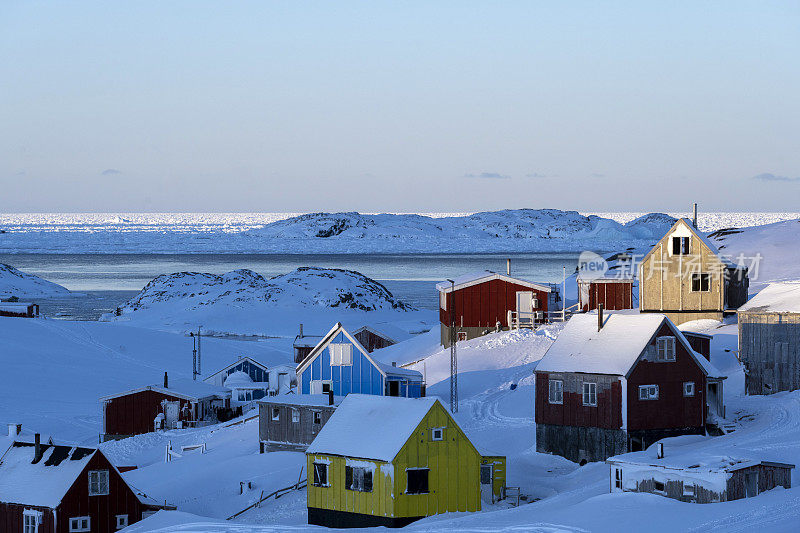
[371,427]
[307,341]
[614,349]
[46,482]
[15,305]
[475,278]
[318,400]
[387,331]
[238,378]
[781,297]
[691,461]
[181,388]
[253,361]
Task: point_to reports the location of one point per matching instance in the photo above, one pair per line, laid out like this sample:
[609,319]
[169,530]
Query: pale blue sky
[399,106]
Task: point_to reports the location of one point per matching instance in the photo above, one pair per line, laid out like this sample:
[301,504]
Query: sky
[399,106]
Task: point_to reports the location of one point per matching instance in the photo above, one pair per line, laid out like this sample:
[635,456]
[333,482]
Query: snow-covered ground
[501,231]
[15,283]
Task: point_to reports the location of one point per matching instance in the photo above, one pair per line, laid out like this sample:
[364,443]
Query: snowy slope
[55,371]
[244,303]
[14,282]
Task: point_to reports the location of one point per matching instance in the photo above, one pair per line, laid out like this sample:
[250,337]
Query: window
[417,481]
[443,300]
[590,394]
[648,392]
[122,521]
[618,478]
[486,474]
[556,392]
[688,388]
[659,486]
[341,354]
[680,246]
[98,482]
[31,519]
[276,413]
[320,387]
[358,478]
[462,336]
[295,415]
[437,434]
[317,417]
[80,523]
[701,282]
[321,475]
[665,349]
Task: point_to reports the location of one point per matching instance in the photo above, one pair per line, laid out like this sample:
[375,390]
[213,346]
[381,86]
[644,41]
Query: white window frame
[555,391]
[417,470]
[76,524]
[443,300]
[437,434]
[275,415]
[100,491]
[31,519]
[321,467]
[317,417]
[688,388]
[122,521]
[461,336]
[680,250]
[341,353]
[648,392]
[295,415]
[317,386]
[665,348]
[589,395]
[618,477]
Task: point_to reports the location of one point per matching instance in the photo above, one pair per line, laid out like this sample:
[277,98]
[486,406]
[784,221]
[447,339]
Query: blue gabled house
[341,364]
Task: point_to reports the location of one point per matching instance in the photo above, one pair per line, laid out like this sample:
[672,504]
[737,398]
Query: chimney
[599,317]
[14,430]
[394,363]
[694,215]
[330,397]
[166,381]
[301,331]
[508,266]
[37,448]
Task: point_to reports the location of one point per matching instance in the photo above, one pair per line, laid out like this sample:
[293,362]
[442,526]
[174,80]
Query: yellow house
[686,277]
[387,461]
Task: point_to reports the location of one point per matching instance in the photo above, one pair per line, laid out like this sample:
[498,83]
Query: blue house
[340,363]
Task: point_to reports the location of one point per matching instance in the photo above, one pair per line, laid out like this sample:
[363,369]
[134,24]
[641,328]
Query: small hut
[292,421]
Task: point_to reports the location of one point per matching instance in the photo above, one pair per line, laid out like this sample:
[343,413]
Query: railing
[301,484]
[525,319]
[512,490]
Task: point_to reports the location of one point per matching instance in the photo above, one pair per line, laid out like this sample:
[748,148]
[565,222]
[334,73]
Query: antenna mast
[453,356]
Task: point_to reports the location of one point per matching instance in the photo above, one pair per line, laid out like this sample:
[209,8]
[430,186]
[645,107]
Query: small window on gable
[321,475]
[701,282]
[648,392]
[688,388]
[98,482]
[665,348]
[295,415]
[276,413]
[122,521]
[80,524]
[680,246]
[437,434]
[341,354]
[590,394]
[317,417]
[556,391]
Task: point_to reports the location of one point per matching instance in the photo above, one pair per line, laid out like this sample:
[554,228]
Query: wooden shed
[19,309]
[292,421]
[46,488]
[690,477]
[391,461]
[613,293]
[178,403]
[481,302]
[769,339]
[618,382]
[685,277]
[377,336]
[700,342]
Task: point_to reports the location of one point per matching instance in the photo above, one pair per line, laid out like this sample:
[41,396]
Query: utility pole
[453,356]
[199,357]
[194,355]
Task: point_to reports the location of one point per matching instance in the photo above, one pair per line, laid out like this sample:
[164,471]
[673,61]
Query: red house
[618,382]
[47,488]
[479,302]
[613,293]
[179,403]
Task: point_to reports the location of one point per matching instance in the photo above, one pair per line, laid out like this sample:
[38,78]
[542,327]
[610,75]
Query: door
[751,484]
[394,388]
[487,483]
[525,306]
[171,410]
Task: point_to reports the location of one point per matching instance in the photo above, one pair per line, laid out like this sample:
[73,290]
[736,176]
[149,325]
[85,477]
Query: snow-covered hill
[14,282]
[242,302]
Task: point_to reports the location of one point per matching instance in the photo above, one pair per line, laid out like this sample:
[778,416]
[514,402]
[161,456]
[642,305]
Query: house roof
[705,240]
[387,331]
[182,388]
[46,482]
[614,349]
[263,367]
[314,400]
[691,462]
[307,341]
[781,297]
[476,278]
[386,370]
[371,427]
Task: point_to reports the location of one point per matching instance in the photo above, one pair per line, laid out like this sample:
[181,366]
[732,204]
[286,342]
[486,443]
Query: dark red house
[47,488]
[618,382]
[179,403]
[613,293]
[479,302]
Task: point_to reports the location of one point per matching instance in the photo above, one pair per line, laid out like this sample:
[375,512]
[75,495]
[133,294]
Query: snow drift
[14,282]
